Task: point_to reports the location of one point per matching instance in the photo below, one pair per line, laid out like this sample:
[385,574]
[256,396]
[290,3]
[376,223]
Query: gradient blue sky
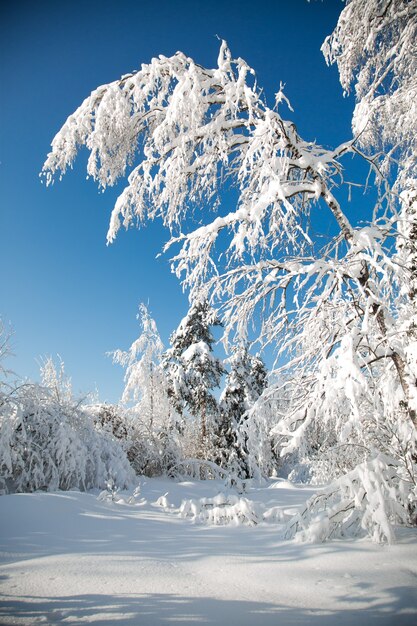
[62,289]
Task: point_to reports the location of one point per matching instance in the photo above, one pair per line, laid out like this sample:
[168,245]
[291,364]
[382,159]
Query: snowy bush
[222,510]
[369,500]
[231,509]
[49,441]
[152,452]
[112,419]
[198,469]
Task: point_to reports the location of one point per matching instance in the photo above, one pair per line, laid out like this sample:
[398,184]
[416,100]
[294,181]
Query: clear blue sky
[62,289]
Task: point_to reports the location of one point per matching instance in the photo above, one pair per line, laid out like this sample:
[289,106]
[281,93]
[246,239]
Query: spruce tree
[193,371]
[244,384]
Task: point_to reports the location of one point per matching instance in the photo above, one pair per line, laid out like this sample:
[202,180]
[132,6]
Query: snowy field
[70,558]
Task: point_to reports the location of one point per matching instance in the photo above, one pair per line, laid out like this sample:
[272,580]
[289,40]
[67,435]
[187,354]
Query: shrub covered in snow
[200,469]
[49,441]
[371,499]
[222,510]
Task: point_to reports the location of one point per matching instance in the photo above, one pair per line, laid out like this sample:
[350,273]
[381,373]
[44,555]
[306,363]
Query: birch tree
[146,395]
[375,47]
[185,132]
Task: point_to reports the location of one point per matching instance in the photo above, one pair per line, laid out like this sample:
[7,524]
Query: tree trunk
[151,399]
[203,433]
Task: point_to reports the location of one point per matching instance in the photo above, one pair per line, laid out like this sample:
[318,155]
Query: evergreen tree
[193,371]
[245,382]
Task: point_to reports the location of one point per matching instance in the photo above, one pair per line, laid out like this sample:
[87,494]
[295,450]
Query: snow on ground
[69,558]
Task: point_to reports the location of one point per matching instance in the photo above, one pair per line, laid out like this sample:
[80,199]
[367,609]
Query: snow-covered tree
[193,371]
[333,306]
[375,47]
[5,352]
[245,382]
[153,447]
[370,375]
[143,378]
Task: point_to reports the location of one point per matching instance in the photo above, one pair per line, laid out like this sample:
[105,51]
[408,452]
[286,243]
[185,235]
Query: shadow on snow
[163,609]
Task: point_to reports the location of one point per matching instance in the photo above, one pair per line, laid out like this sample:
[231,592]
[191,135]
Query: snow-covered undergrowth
[49,440]
[360,504]
[229,509]
[58,450]
[129,558]
[222,509]
[371,499]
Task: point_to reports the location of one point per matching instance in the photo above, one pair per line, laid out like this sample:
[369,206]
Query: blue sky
[63,290]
